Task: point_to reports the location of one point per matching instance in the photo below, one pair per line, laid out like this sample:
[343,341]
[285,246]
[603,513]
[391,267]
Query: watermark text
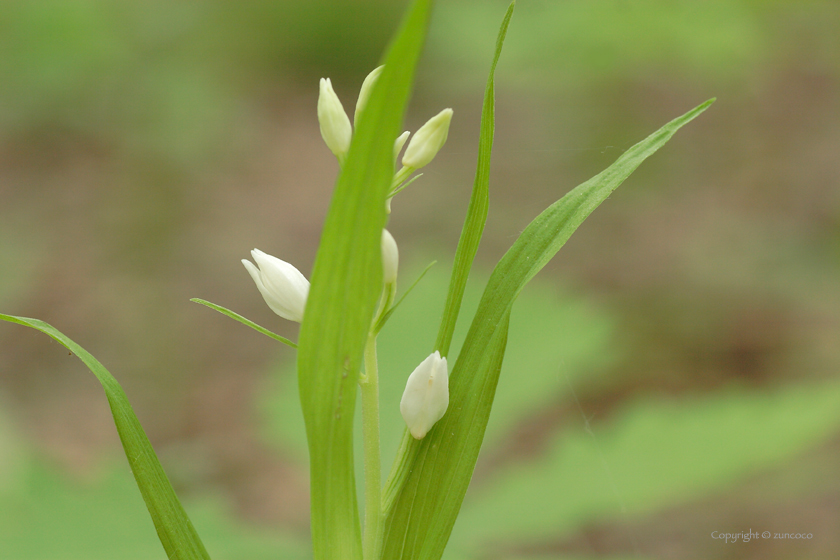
[747,536]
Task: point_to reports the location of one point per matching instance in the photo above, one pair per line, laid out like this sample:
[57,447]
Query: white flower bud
[282,286]
[390,257]
[335,125]
[426,395]
[364,93]
[427,141]
[399,143]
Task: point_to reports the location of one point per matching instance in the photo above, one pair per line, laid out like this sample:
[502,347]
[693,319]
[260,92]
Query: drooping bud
[390,257]
[426,395]
[335,124]
[427,141]
[282,286]
[399,143]
[364,92]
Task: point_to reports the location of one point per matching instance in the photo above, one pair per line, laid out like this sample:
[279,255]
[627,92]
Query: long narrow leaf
[346,280]
[174,528]
[477,210]
[431,478]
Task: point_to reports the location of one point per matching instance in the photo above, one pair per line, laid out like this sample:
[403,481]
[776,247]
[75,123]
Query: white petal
[426,395]
[282,286]
[335,124]
[390,257]
[427,141]
[399,143]
[364,92]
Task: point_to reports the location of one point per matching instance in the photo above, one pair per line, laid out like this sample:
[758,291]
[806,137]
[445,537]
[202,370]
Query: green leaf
[653,454]
[346,282]
[419,515]
[479,200]
[174,528]
[237,317]
[103,517]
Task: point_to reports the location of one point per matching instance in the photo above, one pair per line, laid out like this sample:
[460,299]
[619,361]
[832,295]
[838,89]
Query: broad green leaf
[420,516]
[346,281]
[174,528]
[479,200]
[653,454]
[48,515]
[237,317]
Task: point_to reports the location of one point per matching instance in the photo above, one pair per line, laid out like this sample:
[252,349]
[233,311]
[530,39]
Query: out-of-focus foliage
[48,516]
[45,515]
[146,147]
[575,44]
[655,453]
[167,77]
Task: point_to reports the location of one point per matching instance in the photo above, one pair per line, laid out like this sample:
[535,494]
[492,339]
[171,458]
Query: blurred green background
[672,373]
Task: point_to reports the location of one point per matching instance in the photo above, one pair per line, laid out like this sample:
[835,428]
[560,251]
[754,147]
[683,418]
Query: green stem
[400,177]
[369,384]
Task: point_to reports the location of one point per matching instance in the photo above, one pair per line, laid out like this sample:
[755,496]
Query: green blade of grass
[174,528]
[346,281]
[237,317]
[479,200]
[426,489]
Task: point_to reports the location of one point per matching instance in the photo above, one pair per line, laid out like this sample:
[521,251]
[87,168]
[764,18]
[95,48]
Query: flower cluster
[337,131]
[285,289]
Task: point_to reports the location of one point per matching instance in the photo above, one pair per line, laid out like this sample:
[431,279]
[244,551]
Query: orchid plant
[349,301]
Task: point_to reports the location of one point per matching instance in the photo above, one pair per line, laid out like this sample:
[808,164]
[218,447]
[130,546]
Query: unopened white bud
[390,257]
[427,141]
[282,286]
[426,395]
[364,92]
[399,143]
[335,125]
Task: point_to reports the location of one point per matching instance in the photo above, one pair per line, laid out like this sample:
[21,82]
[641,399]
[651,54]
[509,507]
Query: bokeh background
[672,373]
